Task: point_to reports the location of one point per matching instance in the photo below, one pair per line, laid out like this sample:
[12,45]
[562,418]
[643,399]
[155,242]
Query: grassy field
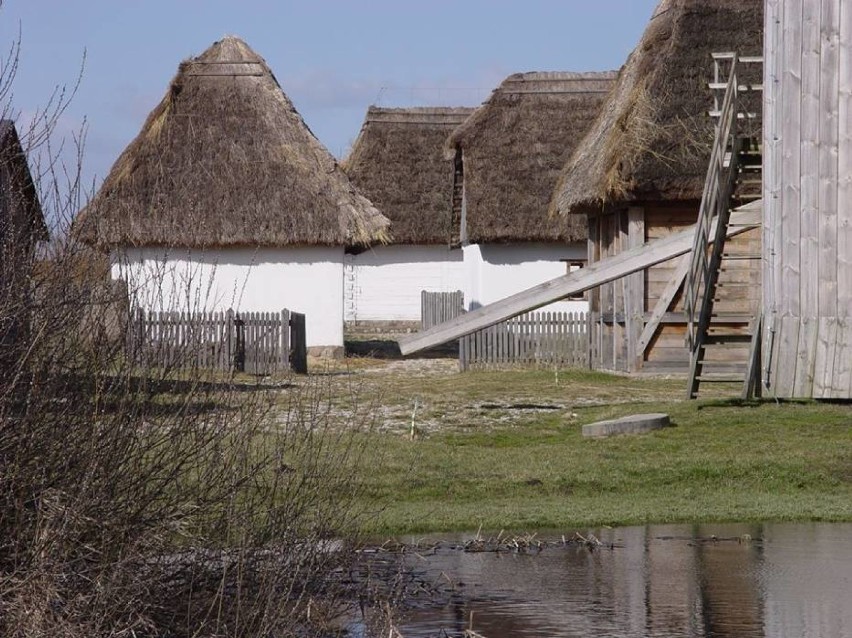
[504,450]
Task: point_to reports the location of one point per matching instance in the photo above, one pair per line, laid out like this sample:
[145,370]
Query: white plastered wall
[496,271]
[303,279]
[384,283]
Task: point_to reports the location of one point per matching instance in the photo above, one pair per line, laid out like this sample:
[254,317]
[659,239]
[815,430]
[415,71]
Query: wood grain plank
[662,306]
[841,381]
[791,170]
[788,342]
[809,169]
[844,164]
[803,384]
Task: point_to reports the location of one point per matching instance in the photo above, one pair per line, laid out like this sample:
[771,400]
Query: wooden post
[635,295]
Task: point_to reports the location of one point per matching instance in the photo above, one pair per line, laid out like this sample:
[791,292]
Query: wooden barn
[226,199]
[398,162]
[508,156]
[22,226]
[807,292]
[639,175]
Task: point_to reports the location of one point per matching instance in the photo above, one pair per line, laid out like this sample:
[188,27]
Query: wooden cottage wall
[666,351]
[620,309]
[808,199]
[608,237]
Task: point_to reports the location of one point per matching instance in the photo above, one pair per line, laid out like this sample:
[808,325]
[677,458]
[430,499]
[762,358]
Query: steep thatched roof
[652,138]
[514,146]
[21,218]
[398,162]
[225,160]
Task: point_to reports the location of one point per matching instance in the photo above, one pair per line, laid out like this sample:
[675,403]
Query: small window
[573,265]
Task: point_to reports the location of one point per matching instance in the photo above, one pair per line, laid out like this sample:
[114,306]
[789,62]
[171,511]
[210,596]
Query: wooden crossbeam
[610,269]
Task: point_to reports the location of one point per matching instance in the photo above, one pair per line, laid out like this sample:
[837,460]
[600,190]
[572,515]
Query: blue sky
[333,59]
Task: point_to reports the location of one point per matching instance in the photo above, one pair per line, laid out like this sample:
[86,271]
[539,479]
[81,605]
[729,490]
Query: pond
[767,580]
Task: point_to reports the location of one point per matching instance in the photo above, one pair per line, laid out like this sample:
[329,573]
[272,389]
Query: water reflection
[660,581]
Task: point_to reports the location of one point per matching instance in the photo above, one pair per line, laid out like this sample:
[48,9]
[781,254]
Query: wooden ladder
[723,346]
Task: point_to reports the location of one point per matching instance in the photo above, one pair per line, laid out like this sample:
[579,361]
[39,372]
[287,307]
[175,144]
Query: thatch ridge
[514,147]
[652,138]
[398,162]
[226,160]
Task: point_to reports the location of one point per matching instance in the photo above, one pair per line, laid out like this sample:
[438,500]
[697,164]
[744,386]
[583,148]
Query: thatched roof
[514,146]
[225,160]
[652,138]
[398,162]
[21,218]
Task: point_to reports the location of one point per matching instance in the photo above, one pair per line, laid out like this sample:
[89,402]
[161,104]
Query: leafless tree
[142,500]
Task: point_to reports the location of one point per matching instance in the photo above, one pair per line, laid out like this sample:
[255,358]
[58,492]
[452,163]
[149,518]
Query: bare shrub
[142,500]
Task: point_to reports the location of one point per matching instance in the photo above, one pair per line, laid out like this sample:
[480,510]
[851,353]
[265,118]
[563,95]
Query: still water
[767,580]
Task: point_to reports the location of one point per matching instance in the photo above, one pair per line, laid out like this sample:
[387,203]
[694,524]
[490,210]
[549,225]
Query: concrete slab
[634,424]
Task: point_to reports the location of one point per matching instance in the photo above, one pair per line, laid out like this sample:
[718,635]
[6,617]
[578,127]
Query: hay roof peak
[652,138]
[231,49]
[226,160]
[398,162]
[514,147]
[555,82]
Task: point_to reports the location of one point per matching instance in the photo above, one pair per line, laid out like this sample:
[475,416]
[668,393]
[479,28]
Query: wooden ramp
[624,263]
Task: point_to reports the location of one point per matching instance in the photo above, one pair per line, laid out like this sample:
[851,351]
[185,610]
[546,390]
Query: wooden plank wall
[610,233]
[808,199]
[667,351]
[533,338]
[620,309]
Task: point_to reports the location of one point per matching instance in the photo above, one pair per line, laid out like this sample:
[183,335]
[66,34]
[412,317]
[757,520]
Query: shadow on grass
[151,396]
[389,349]
[751,403]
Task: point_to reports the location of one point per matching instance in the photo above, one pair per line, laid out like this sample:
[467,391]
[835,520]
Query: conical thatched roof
[225,160]
[398,162]
[514,146]
[652,138]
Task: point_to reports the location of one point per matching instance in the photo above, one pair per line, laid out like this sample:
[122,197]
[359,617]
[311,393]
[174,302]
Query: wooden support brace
[663,303]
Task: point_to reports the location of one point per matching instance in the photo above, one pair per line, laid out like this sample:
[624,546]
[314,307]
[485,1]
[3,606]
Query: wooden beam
[663,303]
[635,295]
[604,271]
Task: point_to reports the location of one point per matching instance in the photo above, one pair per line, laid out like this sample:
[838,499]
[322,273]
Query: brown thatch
[652,139]
[398,162]
[225,160]
[513,148]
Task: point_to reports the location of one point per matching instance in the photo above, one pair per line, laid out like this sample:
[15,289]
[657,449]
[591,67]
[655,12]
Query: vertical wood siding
[808,198]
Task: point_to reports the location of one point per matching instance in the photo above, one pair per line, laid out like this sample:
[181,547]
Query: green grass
[521,469]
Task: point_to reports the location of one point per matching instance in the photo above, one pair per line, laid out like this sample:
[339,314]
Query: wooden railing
[715,202]
[253,342]
[533,338]
[714,213]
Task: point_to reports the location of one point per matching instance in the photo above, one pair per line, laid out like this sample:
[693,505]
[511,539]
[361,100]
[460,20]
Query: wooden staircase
[723,320]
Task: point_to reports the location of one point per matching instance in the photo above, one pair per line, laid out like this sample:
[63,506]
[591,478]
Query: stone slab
[634,424]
